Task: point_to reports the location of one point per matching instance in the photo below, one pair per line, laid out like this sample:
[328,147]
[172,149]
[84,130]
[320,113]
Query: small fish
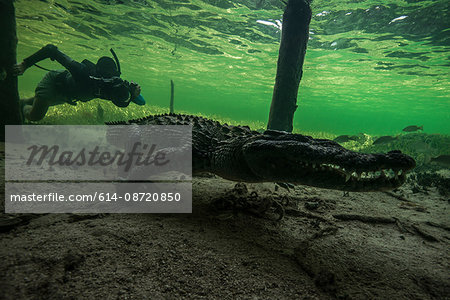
[346,138]
[361,137]
[384,139]
[441,160]
[412,128]
[356,138]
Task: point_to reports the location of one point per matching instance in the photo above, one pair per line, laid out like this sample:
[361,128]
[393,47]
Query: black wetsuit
[78,83]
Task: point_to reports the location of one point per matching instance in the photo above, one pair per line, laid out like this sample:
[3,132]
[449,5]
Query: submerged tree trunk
[294,38]
[171,95]
[9,95]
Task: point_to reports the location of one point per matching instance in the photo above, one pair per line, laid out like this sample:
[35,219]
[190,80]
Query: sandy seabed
[360,246]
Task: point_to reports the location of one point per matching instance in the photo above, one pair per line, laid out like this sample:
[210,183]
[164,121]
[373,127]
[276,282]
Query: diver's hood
[92,66]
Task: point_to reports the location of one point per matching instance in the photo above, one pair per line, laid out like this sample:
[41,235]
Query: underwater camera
[139,100]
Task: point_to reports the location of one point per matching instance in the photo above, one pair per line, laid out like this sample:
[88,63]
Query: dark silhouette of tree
[9,95]
[294,38]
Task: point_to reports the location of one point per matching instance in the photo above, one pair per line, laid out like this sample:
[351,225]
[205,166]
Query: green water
[371,66]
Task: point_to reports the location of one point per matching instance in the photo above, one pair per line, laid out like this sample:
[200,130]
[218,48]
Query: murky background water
[371,66]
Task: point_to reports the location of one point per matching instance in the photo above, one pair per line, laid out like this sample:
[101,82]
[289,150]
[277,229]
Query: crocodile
[240,154]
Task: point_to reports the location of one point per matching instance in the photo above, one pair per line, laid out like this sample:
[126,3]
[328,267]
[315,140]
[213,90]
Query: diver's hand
[19,69]
[135,90]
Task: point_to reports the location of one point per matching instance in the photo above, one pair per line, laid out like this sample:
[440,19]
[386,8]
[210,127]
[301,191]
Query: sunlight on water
[369,67]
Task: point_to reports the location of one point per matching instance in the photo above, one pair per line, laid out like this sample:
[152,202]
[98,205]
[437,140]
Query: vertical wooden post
[294,38]
[171,96]
[9,95]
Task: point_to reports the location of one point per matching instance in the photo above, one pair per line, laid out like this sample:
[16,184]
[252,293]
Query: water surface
[370,67]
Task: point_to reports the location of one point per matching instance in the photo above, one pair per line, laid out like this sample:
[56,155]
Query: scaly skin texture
[240,154]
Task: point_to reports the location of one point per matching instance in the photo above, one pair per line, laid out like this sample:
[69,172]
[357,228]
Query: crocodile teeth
[347,177]
[396,173]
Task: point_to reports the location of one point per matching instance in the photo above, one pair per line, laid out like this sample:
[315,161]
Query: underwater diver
[79,82]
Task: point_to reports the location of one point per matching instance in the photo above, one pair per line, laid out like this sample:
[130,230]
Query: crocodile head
[279,156]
